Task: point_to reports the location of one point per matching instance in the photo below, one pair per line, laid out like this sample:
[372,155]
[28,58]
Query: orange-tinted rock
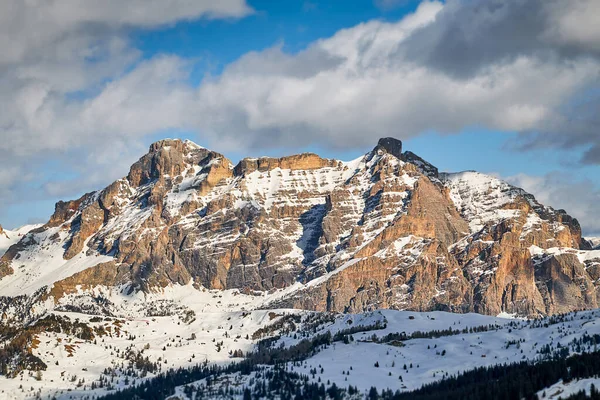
[64,210]
[305,161]
[85,225]
[105,274]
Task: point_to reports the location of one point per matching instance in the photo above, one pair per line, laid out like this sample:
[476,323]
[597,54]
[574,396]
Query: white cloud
[355,86]
[55,56]
[343,91]
[96,139]
[28,27]
[576,23]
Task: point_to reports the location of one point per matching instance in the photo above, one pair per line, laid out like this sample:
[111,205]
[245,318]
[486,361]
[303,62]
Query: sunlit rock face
[386,230]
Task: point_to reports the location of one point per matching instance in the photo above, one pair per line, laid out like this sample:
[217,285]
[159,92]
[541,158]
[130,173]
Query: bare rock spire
[390,145]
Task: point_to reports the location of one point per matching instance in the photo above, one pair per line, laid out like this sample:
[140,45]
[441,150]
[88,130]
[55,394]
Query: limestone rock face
[165,157]
[386,230]
[64,210]
[565,284]
[306,161]
[5,269]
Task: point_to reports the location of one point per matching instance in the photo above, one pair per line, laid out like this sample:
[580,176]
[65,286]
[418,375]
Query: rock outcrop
[306,161]
[386,230]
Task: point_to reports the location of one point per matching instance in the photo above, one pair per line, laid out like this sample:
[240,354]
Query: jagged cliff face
[383,231]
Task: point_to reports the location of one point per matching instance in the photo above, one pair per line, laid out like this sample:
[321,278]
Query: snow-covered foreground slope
[183,327]
[561,390]
[370,360]
[178,327]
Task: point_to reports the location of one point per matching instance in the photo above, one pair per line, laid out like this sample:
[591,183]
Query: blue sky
[84,120]
[294,23]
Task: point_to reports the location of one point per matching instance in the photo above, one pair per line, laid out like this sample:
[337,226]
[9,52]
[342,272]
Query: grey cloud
[366,90]
[574,125]
[592,156]
[27,27]
[275,62]
[469,36]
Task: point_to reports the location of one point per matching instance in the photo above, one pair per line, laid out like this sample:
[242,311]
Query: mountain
[386,230]
[594,242]
[192,277]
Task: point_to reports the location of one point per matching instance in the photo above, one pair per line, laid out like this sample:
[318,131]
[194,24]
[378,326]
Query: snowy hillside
[137,337]
[8,238]
[562,390]
[371,359]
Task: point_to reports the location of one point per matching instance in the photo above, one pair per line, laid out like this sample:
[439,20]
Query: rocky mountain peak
[183,146]
[169,158]
[390,145]
[428,169]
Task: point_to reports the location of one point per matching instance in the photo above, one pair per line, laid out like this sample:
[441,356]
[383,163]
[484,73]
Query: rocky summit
[386,230]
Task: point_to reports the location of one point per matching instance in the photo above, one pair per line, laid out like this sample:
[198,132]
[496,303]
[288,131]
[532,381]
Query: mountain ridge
[386,230]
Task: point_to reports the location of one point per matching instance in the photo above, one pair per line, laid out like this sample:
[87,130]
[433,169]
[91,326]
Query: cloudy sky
[507,87]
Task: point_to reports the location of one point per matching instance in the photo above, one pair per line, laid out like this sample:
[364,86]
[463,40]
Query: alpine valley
[299,277]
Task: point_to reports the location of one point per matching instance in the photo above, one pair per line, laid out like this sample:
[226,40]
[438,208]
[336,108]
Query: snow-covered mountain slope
[481,198]
[486,200]
[8,237]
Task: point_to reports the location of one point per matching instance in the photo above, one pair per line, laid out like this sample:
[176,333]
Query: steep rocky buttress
[386,230]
